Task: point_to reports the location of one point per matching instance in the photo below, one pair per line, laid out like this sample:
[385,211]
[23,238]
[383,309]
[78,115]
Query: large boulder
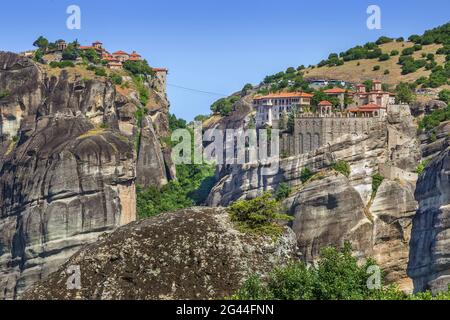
[191,254]
[68,164]
[327,212]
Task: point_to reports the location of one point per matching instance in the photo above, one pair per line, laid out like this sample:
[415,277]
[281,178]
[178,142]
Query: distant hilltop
[60,51]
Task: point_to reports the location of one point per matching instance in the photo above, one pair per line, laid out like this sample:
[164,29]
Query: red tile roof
[160,70]
[335,91]
[97,42]
[366,108]
[120,52]
[284,95]
[325,103]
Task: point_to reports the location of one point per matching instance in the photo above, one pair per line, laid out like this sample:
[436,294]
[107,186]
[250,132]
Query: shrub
[434,119]
[305,175]
[395,53]
[377,180]
[283,191]
[138,68]
[376,68]
[116,79]
[408,51]
[421,167]
[417,47]
[444,95]
[101,72]
[383,40]
[336,276]
[384,57]
[4,94]
[63,64]
[38,55]
[342,167]
[258,215]
[386,72]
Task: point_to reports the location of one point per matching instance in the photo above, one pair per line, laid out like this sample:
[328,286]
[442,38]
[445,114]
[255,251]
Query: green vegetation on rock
[343,167]
[337,276]
[258,216]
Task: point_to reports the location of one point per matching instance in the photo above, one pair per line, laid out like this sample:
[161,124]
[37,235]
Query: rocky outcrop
[67,167]
[328,211]
[426,107]
[330,208]
[191,254]
[429,261]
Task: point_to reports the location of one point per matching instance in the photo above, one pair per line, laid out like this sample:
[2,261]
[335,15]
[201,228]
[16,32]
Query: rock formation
[332,208]
[67,165]
[191,254]
[429,261]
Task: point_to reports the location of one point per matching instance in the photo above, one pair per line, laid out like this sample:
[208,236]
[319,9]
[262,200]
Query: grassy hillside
[357,71]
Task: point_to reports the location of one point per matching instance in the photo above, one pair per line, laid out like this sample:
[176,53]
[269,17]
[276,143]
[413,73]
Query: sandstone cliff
[67,165]
[331,208]
[191,254]
[429,260]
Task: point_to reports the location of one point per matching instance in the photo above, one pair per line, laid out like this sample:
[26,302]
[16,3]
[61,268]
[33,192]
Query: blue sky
[217,46]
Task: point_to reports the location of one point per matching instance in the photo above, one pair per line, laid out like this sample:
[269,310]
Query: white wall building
[270,108]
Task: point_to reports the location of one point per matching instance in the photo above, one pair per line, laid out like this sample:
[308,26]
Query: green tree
[283,191]
[404,93]
[138,68]
[259,215]
[337,276]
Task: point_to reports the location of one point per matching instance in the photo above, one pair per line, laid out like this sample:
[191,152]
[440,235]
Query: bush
[417,47]
[408,51]
[305,175]
[38,55]
[194,182]
[62,64]
[444,95]
[383,40]
[101,72]
[4,94]
[376,68]
[384,57]
[377,180]
[138,68]
[336,276]
[421,167]
[116,79]
[395,53]
[342,167]
[283,191]
[386,72]
[258,215]
[224,106]
[434,119]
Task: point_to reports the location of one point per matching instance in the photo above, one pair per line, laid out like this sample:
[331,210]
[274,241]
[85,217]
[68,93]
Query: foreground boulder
[191,254]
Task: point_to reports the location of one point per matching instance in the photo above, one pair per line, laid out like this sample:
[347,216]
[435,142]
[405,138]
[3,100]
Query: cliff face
[429,262]
[191,254]
[67,166]
[332,208]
